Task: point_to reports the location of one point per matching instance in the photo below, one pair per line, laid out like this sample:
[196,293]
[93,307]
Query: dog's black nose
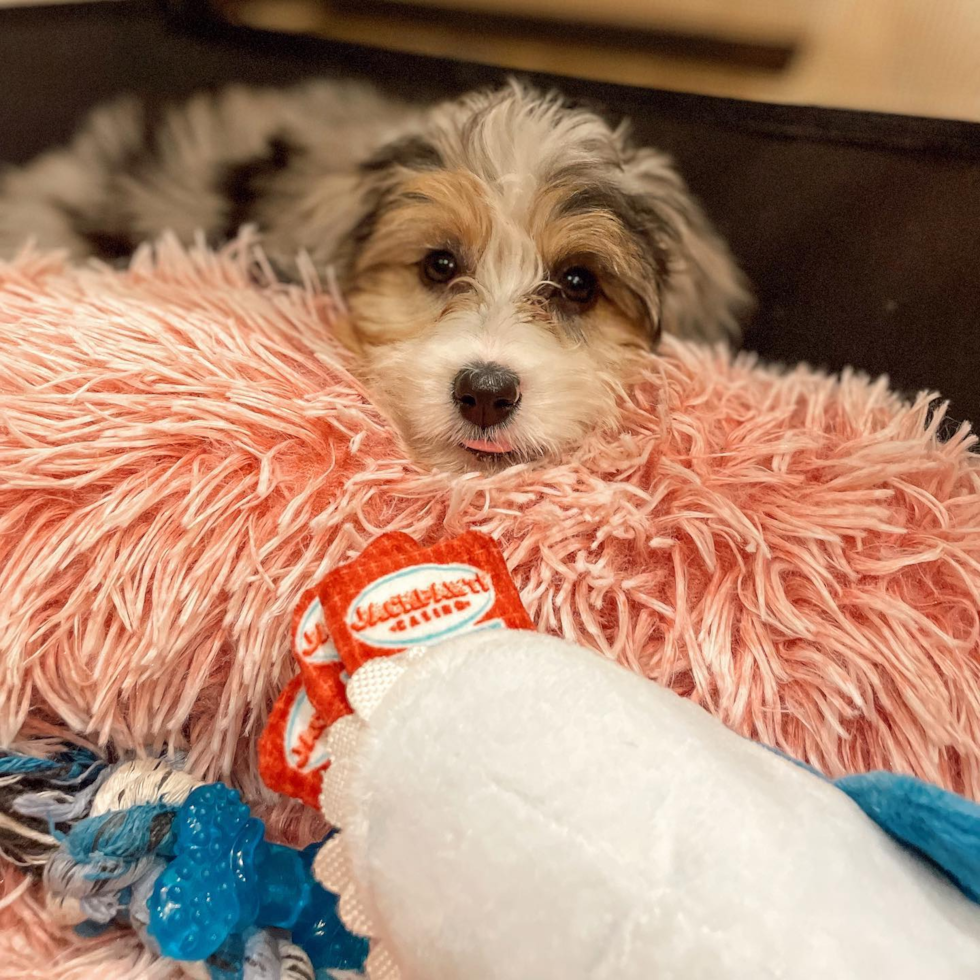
[486,394]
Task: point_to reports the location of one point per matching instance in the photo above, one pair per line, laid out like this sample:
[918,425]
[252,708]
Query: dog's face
[509,262]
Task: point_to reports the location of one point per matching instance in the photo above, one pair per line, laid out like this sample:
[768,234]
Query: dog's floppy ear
[704,294]
[373,186]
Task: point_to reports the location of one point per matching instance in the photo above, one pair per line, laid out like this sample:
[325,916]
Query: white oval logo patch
[306,742]
[420,604]
[313,643]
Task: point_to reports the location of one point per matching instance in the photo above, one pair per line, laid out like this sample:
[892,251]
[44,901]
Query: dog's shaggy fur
[564,248]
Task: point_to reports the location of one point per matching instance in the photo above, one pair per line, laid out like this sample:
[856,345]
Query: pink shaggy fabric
[182,450]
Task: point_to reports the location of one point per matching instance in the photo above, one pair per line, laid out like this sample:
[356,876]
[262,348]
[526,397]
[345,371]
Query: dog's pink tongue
[488,445]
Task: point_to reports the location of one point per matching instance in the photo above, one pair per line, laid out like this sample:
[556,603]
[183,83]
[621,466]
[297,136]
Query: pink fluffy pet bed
[183,450]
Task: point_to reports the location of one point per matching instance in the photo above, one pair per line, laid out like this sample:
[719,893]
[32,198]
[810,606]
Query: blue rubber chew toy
[226,880]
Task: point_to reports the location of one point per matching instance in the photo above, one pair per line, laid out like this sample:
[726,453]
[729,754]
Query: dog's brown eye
[439,266]
[578,285]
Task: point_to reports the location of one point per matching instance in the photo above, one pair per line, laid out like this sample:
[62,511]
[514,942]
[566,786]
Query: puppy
[504,256]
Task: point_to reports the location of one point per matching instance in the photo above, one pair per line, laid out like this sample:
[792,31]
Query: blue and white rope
[100,835]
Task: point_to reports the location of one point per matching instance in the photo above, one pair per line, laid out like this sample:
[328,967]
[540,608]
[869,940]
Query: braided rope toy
[184,864]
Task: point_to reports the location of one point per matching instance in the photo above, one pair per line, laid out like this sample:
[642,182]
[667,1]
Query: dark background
[860,232]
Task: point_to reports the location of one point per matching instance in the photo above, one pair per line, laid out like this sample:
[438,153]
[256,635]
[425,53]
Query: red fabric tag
[394,596]
[388,600]
[292,749]
[319,663]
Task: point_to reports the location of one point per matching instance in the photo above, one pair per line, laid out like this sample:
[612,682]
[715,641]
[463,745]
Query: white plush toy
[513,807]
